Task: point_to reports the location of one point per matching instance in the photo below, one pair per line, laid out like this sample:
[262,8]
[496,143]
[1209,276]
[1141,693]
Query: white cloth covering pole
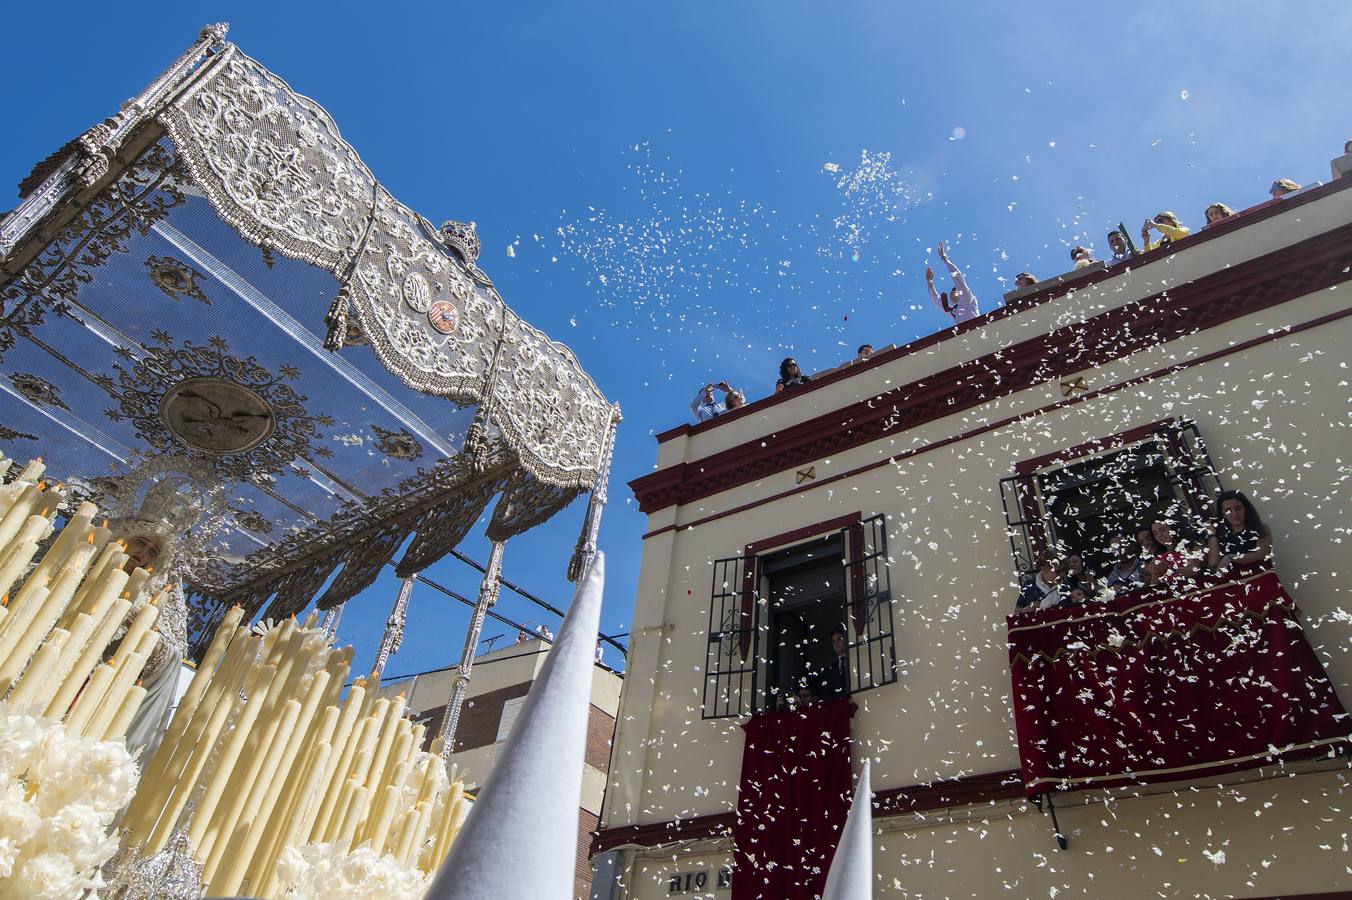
[520,838]
[851,874]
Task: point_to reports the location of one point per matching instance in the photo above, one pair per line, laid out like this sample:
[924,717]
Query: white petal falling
[520,838]
[851,875]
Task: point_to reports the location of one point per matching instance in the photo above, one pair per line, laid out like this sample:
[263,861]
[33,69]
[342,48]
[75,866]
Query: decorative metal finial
[462,237]
[214,32]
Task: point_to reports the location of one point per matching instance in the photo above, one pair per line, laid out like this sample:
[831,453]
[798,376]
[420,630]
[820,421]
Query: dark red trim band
[1264,211]
[806,531]
[990,787]
[993,426]
[1098,445]
[1249,287]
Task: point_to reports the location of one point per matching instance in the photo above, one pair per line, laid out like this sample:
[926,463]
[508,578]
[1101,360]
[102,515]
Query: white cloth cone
[851,874]
[520,840]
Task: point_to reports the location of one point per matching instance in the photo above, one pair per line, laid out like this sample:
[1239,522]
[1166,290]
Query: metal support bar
[393,637]
[1056,826]
[329,624]
[488,595]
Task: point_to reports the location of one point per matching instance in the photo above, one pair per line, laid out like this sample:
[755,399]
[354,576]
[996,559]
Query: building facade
[903,500]
[502,679]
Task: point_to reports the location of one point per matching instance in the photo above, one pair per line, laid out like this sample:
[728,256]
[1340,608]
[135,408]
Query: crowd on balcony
[960,303]
[1168,551]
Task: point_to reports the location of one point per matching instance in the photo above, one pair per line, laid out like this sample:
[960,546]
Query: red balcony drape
[792,801]
[1167,686]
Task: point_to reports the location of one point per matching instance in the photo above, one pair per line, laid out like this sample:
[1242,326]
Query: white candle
[117,729]
[140,624]
[89,698]
[46,614]
[123,680]
[15,564]
[35,687]
[113,614]
[17,514]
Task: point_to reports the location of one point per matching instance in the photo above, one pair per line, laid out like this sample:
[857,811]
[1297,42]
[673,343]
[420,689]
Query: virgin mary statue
[162,514]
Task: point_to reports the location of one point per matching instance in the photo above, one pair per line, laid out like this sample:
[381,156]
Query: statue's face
[142,551]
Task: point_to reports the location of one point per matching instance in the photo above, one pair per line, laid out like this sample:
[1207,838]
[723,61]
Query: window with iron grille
[772,615]
[1074,502]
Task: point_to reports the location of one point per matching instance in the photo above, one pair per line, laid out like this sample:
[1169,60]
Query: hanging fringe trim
[475,449]
[336,320]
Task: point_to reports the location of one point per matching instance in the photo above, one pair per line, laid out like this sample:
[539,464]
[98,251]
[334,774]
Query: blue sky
[658,171]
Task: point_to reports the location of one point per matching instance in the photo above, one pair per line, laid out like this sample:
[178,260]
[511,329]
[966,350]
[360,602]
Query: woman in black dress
[1241,538]
[790,375]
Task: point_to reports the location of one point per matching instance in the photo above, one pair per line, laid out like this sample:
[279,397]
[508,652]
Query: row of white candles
[263,739]
[58,617]
[274,757]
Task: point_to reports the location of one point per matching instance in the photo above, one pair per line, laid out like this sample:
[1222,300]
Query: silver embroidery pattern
[274,166]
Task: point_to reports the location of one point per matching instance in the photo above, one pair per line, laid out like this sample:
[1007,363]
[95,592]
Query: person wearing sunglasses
[1283,186]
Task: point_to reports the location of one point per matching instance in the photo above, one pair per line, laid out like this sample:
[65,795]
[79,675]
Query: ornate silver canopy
[214,273]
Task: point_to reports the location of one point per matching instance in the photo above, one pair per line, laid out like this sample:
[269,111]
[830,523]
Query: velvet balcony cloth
[792,801]
[1168,685]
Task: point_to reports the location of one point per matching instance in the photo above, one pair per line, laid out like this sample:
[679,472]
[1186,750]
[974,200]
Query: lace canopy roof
[213,274]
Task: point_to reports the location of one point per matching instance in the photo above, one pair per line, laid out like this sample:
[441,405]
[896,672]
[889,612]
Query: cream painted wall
[1284,837]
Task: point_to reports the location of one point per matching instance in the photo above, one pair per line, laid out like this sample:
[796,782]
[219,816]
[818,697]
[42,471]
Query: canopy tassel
[336,320]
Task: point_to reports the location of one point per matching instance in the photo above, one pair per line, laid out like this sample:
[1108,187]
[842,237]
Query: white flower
[47,876]
[9,852]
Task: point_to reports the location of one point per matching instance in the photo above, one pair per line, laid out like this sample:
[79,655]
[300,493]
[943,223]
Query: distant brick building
[502,679]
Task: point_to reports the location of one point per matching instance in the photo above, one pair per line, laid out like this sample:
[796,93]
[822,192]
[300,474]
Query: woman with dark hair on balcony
[1126,574]
[1147,547]
[1217,212]
[1241,538]
[790,375]
[1082,257]
[1180,560]
[1043,591]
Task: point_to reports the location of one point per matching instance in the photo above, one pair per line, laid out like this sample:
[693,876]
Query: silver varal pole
[394,627]
[488,595]
[585,551]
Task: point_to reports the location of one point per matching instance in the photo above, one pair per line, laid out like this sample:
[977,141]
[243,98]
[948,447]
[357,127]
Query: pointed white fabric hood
[851,874]
[520,840]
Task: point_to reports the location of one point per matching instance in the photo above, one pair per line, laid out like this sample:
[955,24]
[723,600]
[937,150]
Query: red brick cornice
[914,798]
[1248,287]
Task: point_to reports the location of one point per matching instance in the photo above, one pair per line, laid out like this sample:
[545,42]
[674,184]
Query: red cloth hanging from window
[792,802]
[1159,686]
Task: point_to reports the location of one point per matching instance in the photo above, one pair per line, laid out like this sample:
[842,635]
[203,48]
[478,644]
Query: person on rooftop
[1024,280]
[865,353]
[704,407]
[1217,212]
[1082,257]
[790,375]
[959,303]
[1283,186]
[1117,242]
[1169,227]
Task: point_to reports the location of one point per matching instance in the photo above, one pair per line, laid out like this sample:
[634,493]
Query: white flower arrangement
[324,871]
[59,795]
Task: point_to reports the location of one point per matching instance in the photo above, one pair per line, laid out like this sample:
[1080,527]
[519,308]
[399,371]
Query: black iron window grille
[1079,504]
[770,618]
